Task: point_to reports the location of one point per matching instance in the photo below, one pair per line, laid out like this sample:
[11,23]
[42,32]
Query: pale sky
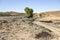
[36,5]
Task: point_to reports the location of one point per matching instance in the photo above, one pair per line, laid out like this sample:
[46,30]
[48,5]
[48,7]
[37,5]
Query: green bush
[29,12]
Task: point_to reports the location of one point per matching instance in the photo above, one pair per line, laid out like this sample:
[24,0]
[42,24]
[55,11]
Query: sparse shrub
[29,12]
[42,15]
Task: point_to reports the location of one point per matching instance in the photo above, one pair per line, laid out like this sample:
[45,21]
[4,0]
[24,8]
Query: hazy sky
[36,5]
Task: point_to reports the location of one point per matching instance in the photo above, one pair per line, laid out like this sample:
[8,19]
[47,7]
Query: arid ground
[19,27]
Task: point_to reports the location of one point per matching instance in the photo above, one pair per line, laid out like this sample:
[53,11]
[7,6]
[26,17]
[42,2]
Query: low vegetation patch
[43,34]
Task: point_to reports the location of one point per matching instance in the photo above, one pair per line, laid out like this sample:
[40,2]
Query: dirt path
[54,29]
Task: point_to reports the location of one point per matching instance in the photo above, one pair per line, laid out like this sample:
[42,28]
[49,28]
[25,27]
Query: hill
[52,13]
[16,26]
[10,13]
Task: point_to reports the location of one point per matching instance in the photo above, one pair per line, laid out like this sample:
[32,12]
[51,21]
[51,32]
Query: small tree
[29,12]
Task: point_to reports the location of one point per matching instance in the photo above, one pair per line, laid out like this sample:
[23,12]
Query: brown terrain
[19,27]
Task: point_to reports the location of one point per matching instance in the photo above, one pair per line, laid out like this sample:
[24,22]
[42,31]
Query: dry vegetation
[18,27]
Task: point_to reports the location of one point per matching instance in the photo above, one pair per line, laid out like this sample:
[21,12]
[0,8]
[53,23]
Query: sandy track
[54,29]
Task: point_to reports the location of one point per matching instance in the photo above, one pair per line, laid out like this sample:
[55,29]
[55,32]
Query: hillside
[53,13]
[54,16]
[10,13]
[19,27]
